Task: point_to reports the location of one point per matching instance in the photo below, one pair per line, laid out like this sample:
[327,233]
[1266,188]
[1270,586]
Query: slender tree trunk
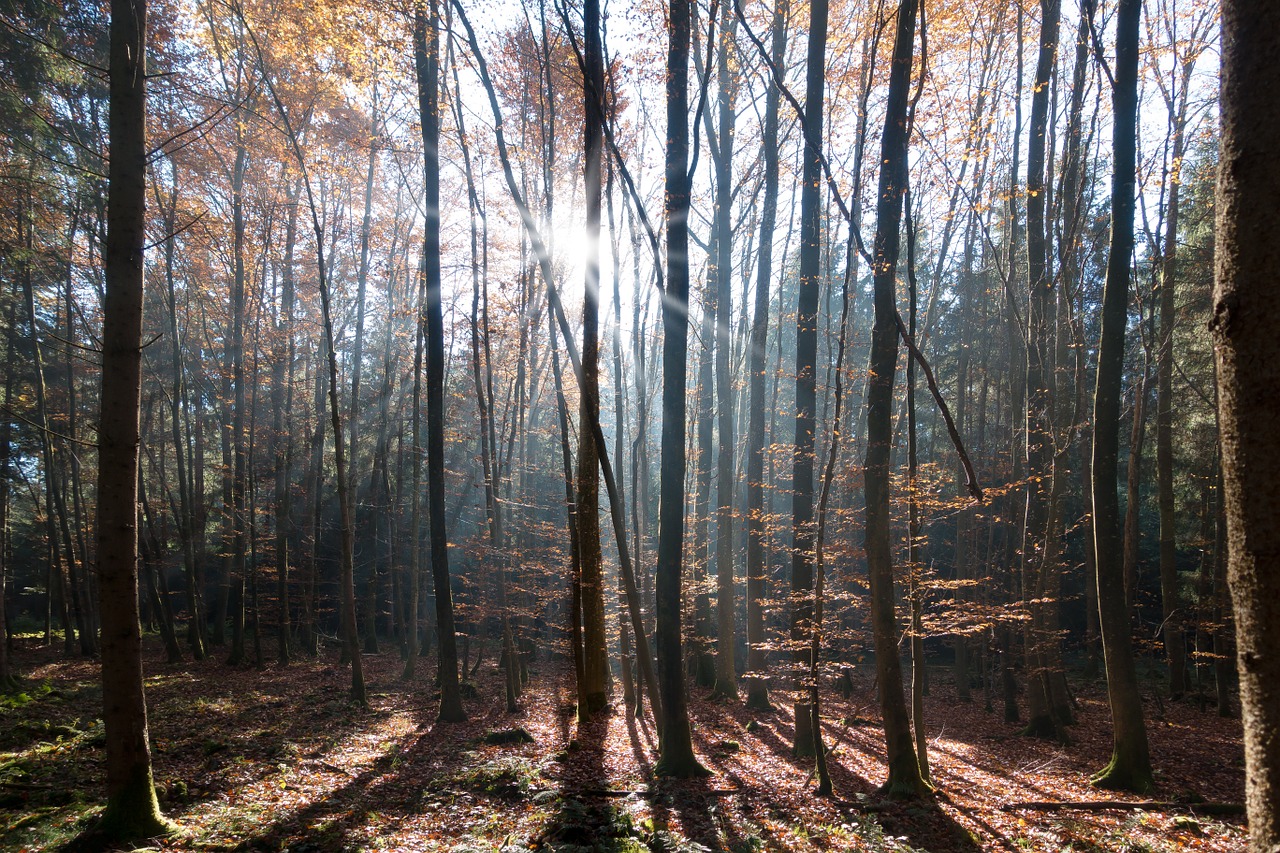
[1174,617]
[1017,369]
[427,63]
[315,506]
[1036,560]
[595,648]
[726,676]
[415,499]
[802,529]
[7,678]
[677,758]
[1130,766]
[916,592]
[282,438]
[239,474]
[757,571]
[70,599]
[177,400]
[904,768]
[150,553]
[1133,485]
[570,499]
[357,364]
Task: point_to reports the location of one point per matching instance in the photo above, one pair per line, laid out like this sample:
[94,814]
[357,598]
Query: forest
[639,427]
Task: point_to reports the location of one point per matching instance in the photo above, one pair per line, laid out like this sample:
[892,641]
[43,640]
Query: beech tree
[426,48]
[1130,766]
[1247,354]
[904,768]
[802,527]
[677,758]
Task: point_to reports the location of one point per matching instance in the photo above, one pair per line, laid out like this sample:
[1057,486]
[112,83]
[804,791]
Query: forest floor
[278,759]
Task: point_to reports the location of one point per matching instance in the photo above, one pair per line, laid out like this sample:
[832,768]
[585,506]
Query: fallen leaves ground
[278,759]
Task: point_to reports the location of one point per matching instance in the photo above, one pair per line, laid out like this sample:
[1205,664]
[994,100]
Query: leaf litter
[278,759]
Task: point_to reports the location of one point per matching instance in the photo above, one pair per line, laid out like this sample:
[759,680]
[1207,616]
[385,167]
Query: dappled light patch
[280,759]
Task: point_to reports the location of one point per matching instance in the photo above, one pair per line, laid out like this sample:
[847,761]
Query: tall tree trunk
[239,474]
[757,571]
[802,531]
[177,401]
[132,811]
[1174,617]
[60,550]
[1037,549]
[595,647]
[677,758]
[1017,380]
[7,678]
[916,593]
[315,513]
[357,363]
[1070,254]
[426,43]
[150,552]
[570,500]
[1133,485]
[726,676]
[619,438]
[415,500]
[904,768]
[282,438]
[1130,766]
[1248,356]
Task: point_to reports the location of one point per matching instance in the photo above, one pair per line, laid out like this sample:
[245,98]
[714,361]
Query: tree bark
[1037,553]
[132,811]
[595,649]
[726,676]
[904,768]
[1174,607]
[1247,352]
[1130,766]
[757,571]
[677,758]
[426,44]
[802,532]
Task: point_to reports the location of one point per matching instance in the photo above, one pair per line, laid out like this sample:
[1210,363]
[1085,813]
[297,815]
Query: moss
[133,813]
[1120,775]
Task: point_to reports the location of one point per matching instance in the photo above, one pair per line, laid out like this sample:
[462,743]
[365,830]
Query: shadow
[251,760]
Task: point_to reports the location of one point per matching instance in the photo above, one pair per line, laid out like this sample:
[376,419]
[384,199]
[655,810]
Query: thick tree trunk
[132,811]
[1248,362]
